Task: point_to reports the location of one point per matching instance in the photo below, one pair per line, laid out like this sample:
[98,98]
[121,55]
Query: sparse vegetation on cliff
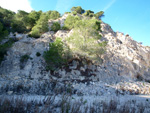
[4,47]
[55,27]
[84,40]
[83,43]
[57,55]
[76,68]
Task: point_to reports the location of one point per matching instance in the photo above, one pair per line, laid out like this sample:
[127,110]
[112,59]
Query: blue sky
[128,16]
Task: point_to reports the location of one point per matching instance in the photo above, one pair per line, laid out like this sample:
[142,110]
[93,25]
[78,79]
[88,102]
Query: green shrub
[38,54]
[6,17]
[64,28]
[18,26]
[67,12]
[33,17]
[3,32]
[57,55]
[41,26]
[55,27]
[53,15]
[77,10]
[70,21]
[99,15]
[24,58]
[3,49]
[89,13]
[35,33]
[53,56]
[74,12]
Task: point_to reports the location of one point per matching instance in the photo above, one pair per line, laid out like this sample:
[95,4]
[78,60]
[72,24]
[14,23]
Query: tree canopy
[99,15]
[89,13]
[84,40]
[3,32]
[40,27]
[35,22]
[78,9]
[70,21]
[54,15]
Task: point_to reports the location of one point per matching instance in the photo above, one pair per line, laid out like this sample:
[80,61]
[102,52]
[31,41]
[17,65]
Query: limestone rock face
[130,57]
[34,66]
[61,33]
[124,60]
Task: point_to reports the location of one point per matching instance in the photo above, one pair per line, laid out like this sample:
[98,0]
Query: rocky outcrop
[60,21]
[11,66]
[61,33]
[130,57]
[125,60]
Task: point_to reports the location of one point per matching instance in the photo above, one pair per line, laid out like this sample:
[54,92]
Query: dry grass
[66,105]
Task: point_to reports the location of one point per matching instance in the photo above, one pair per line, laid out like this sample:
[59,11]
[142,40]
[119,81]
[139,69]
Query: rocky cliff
[130,58]
[125,66]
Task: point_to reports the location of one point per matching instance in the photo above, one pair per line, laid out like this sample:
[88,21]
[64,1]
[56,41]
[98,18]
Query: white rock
[10,92]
